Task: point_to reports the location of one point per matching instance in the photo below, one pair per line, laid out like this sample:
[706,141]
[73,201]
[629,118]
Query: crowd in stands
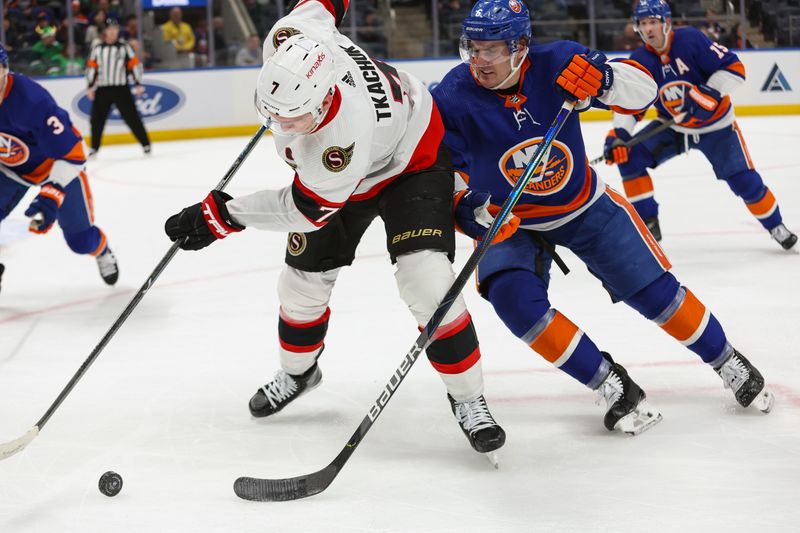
[37,32]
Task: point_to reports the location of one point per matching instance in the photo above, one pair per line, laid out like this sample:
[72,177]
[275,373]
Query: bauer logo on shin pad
[427,232]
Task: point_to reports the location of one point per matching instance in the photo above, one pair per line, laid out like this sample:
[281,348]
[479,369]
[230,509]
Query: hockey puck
[110,484]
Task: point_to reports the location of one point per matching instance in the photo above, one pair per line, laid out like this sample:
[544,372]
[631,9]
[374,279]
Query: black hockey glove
[199,225]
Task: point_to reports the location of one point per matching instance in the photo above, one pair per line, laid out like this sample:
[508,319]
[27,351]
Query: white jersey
[382,123]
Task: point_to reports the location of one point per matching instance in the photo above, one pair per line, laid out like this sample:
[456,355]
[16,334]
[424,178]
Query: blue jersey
[34,133]
[690,59]
[493,137]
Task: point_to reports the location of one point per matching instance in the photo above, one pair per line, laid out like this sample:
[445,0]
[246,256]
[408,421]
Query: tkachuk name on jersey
[427,232]
[369,71]
[549,177]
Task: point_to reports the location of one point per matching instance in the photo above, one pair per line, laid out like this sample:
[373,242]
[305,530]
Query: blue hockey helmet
[652,9]
[3,56]
[498,20]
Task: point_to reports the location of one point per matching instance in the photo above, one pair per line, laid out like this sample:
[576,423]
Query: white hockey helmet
[296,79]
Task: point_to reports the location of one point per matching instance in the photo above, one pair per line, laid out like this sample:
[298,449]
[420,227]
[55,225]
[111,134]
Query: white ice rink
[165,404]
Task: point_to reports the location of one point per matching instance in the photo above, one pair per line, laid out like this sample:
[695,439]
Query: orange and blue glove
[472,211]
[616,148]
[701,102]
[585,75]
[44,208]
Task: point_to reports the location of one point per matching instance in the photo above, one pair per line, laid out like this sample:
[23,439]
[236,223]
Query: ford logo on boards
[158,100]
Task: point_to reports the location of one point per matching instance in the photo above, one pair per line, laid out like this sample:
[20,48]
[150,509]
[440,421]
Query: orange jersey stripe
[763,207]
[687,319]
[737,67]
[556,338]
[40,173]
[638,186]
[655,249]
[87,195]
[744,145]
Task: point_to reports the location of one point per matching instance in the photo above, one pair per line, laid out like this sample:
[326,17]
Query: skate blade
[763,402]
[639,420]
[493,458]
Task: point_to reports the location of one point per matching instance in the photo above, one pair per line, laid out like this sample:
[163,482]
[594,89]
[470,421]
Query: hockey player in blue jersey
[496,109]
[695,77]
[39,147]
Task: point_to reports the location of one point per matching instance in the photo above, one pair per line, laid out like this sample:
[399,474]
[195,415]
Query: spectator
[178,32]
[73,62]
[131,28]
[250,54]
[47,54]
[629,40]
[220,45]
[92,36]
[711,27]
[13,39]
[736,38]
[370,33]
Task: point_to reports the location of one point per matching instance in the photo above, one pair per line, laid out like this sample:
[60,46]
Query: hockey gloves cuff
[44,208]
[701,102]
[616,148]
[199,225]
[473,217]
[585,75]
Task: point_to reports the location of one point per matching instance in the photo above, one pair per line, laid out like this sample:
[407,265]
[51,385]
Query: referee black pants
[120,96]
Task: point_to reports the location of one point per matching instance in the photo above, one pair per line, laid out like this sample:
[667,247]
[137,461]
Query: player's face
[295,125]
[490,60]
[652,31]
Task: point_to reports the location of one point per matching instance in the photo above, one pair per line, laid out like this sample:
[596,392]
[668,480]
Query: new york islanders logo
[547,179]
[13,152]
[514,6]
[672,96]
[336,158]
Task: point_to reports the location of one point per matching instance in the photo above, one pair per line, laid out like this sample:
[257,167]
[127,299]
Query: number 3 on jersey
[56,124]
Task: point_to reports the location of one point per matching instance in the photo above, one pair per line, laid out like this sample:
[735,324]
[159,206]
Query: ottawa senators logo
[296,244]
[545,181]
[13,152]
[672,96]
[514,6]
[281,34]
[336,158]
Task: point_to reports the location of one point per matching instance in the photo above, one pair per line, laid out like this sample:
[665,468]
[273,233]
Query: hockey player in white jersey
[364,141]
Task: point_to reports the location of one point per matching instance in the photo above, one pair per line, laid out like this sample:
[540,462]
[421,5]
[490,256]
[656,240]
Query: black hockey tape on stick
[640,138]
[275,490]
[7,449]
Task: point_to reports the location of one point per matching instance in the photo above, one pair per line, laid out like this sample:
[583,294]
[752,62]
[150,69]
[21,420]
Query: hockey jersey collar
[333,111]
[664,55]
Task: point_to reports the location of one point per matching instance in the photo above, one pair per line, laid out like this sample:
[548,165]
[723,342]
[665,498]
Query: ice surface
[165,405]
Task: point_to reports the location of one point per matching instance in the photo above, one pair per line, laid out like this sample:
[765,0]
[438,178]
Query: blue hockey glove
[473,218]
[585,75]
[616,149]
[701,102]
[45,205]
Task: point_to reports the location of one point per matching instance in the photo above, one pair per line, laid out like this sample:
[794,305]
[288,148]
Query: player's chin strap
[514,70]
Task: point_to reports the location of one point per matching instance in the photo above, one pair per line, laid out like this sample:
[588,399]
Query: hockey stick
[640,138]
[264,490]
[8,449]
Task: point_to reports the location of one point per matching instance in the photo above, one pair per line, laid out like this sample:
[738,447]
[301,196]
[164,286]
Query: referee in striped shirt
[110,62]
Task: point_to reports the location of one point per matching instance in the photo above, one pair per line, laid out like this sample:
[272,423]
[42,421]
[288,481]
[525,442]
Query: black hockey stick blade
[280,490]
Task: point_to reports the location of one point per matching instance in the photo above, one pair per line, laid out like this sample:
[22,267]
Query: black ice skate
[483,433]
[107,264]
[746,382]
[626,402]
[785,238]
[283,390]
[654,227]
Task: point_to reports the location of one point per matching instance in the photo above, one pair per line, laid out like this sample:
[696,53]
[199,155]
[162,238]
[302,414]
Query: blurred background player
[496,109]
[695,77]
[39,146]
[315,85]
[110,63]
